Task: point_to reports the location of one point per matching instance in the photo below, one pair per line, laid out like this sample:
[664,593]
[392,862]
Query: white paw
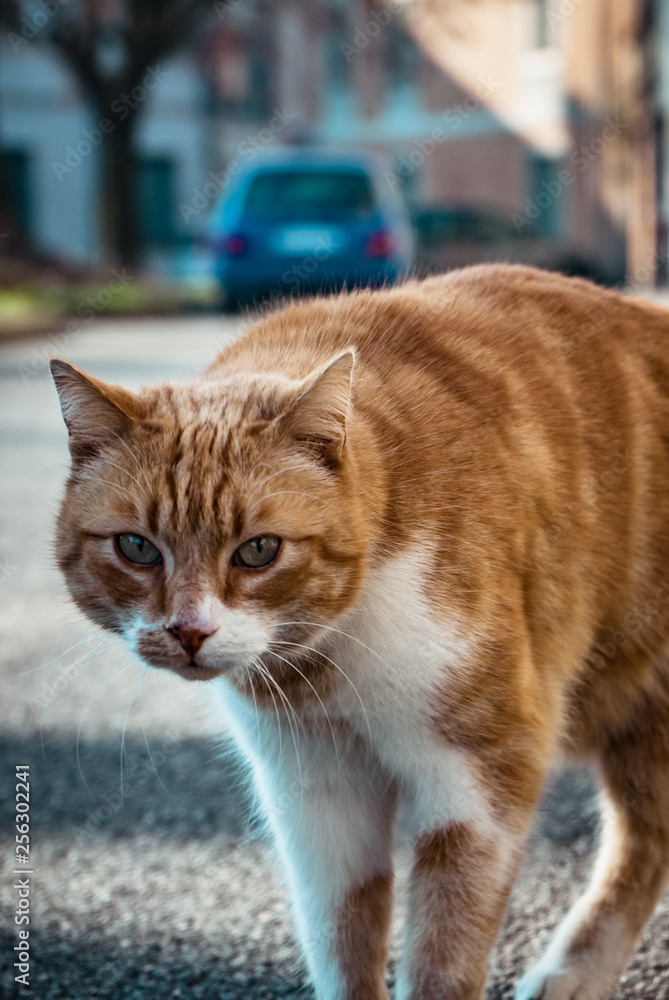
[548,980]
[542,983]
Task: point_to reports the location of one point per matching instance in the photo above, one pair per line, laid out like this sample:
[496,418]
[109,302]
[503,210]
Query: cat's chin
[194,672]
[191,671]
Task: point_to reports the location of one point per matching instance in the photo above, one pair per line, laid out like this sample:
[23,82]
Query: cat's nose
[190,638]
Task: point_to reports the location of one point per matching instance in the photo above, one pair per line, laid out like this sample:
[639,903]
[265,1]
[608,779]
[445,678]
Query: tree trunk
[120,210]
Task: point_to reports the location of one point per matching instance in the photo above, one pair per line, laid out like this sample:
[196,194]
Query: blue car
[302,220]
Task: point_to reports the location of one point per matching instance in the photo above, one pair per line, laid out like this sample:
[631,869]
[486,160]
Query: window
[309,194]
[15,181]
[156,200]
[402,57]
[238,70]
[338,50]
[546,194]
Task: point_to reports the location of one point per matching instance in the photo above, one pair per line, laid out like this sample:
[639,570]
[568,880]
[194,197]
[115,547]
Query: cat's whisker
[331,628]
[107,482]
[145,674]
[49,465]
[433,472]
[255,706]
[114,465]
[131,701]
[54,688]
[339,631]
[115,672]
[286,700]
[279,472]
[75,645]
[317,652]
[320,700]
[266,673]
[280,493]
[130,452]
[261,671]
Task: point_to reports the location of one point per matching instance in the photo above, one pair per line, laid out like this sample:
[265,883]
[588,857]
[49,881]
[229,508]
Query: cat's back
[541,376]
[543,369]
[488,315]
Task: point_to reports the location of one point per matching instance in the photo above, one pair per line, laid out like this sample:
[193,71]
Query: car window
[308,194]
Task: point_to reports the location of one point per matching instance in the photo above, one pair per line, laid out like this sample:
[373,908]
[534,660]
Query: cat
[417,540]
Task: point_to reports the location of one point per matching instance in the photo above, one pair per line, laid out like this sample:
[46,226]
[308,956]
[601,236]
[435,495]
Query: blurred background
[524,130]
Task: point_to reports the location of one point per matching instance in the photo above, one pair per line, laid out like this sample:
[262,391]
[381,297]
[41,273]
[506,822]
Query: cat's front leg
[460,879]
[334,834]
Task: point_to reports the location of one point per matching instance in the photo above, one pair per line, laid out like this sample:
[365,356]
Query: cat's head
[213,522]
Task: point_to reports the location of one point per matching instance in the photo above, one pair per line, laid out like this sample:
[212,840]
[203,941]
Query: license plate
[308,240]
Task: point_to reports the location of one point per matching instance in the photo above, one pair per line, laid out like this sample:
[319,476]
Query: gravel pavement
[169,889]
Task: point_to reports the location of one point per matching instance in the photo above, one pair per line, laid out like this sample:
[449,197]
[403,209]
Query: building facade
[538,113]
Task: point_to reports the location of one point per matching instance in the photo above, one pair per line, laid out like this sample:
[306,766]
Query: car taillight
[234,245]
[379,244]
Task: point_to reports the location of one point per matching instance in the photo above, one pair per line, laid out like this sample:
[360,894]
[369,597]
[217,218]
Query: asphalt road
[169,890]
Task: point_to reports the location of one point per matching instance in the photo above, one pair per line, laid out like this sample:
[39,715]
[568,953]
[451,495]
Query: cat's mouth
[192,660]
[194,671]
[190,670]
[151,646]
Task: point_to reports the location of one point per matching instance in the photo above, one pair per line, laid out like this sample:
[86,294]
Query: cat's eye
[137,549]
[257,552]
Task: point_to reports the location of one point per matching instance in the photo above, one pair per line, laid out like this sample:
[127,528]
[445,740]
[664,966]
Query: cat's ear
[93,411]
[318,415]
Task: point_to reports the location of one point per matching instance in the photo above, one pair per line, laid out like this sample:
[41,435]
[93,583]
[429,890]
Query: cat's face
[214,523]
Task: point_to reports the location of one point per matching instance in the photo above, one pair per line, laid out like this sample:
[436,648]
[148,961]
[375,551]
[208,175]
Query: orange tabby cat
[418,542]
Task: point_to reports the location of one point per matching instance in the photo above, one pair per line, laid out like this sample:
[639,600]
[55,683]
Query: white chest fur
[398,657]
[395,658]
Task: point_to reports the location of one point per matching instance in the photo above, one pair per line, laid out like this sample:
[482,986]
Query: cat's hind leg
[595,941]
[459,884]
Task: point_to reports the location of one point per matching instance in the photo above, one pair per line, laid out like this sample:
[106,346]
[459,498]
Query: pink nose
[191,639]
